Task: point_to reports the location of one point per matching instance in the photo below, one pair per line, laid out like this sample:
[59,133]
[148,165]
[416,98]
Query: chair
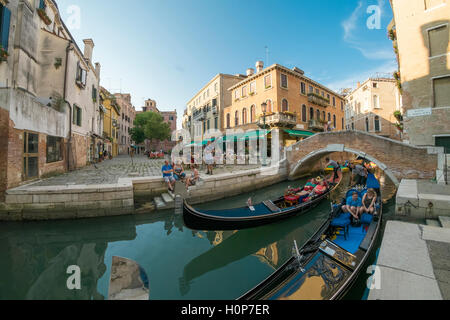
[342,221]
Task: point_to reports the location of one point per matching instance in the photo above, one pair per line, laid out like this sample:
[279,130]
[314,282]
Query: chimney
[259,66]
[358,84]
[88,47]
[98,68]
[250,72]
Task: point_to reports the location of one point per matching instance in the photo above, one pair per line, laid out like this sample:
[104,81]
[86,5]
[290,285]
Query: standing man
[209,157]
[336,168]
[167,172]
[359,174]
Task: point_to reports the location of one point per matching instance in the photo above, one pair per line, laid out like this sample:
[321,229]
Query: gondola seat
[342,221]
[291,200]
[366,218]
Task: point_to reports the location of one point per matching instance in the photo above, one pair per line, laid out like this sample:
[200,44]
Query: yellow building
[421,36]
[294,103]
[111,115]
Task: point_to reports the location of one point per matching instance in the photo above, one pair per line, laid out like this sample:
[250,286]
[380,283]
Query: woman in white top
[209,158]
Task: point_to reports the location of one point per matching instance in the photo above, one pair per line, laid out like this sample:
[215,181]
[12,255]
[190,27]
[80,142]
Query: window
[284,81]
[311,89]
[77,117]
[324,116]
[54,149]
[375,85]
[311,114]
[302,88]
[228,120]
[304,113]
[318,114]
[284,105]
[342,122]
[42,4]
[236,94]
[353,126]
[342,105]
[334,121]
[269,106]
[441,90]
[208,125]
[30,155]
[376,104]
[329,116]
[328,96]
[204,126]
[236,119]
[323,94]
[317,91]
[438,40]
[367,124]
[268,81]
[253,87]
[216,122]
[429,4]
[171,118]
[377,124]
[244,91]
[244,116]
[81,76]
[216,87]
[5,21]
[252,114]
[334,101]
[207,93]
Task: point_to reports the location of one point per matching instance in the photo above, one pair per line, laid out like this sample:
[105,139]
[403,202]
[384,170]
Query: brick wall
[402,160]
[4,128]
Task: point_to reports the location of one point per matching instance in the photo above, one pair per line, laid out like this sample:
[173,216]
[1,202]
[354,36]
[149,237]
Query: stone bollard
[178,204]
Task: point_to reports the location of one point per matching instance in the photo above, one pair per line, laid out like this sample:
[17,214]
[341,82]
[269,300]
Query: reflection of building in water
[128,281]
[269,255]
[37,267]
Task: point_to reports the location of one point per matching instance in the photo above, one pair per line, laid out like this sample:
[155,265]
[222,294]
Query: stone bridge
[397,159]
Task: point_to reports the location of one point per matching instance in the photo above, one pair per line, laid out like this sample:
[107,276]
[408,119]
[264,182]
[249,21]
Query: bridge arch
[398,160]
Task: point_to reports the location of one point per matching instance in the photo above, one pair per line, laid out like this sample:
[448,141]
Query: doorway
[30,155]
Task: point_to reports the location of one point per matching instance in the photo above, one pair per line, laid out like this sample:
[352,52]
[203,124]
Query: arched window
[334,121]
[269,106]
[329,116]
[342,123]
[244,116]
[284,106]
[318,114]
[311,114]
[367,124]
[236,119]
[228,120]
[252,114]
[377,124]
[304,113]
[324,116]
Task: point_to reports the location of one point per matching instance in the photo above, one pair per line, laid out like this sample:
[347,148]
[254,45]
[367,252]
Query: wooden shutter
[441,88]
[5,20]
[438,41]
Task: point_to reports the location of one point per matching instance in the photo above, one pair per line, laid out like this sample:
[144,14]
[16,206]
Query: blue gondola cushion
[366,218]
[342,221]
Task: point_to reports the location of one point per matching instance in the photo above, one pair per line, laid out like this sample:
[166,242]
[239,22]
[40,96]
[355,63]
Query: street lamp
[264,149]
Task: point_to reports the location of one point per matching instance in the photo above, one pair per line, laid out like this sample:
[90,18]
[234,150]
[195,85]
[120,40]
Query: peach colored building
[293,100]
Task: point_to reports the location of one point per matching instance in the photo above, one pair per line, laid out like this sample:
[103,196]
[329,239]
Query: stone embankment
[87,201]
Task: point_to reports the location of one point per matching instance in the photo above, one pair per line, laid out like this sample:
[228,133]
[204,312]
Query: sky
[167,50]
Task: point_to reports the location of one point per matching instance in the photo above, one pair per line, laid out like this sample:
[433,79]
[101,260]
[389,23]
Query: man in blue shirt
[353,205]
[167,171]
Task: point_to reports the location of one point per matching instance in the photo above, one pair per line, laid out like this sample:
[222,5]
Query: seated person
[195,176]
[353,205]
[167,171]
[320,189]
[368,202]
[178,172]
[311,184]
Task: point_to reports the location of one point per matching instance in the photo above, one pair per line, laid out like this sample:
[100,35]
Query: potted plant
[3,54]
[392,35]
[398,115]
[399,127]
[58,63]
[44,16]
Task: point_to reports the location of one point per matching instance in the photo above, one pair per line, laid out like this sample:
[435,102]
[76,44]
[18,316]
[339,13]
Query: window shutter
[5,15]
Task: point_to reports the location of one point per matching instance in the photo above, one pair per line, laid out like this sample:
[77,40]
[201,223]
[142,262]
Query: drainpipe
[69,143]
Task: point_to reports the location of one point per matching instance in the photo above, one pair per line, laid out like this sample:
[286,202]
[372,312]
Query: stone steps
[165,201]
[160,204]
[433,223]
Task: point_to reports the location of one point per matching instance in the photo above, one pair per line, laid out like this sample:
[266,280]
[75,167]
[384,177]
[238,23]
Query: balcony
[279,119]
[316,125]
[215,110]
[199,116]
[318,100]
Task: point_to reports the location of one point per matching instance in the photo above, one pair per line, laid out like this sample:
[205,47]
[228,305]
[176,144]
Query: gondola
[327,266]
[269,211]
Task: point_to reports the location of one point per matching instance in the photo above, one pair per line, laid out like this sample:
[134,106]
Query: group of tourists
[173,172]
[357,206]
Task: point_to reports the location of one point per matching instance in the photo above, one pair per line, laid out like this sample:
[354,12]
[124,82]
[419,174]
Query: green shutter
[5,20]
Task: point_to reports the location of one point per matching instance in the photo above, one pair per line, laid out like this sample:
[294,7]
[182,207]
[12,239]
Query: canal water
[180,263]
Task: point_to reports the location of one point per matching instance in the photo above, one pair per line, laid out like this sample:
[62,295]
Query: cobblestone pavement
[110,171]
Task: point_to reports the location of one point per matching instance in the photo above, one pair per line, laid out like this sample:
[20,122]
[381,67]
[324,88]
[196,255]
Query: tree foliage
[150,125]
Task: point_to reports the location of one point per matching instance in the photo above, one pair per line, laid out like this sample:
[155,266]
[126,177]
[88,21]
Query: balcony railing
[279,119]
[315,125]
[318,100]
[215,110]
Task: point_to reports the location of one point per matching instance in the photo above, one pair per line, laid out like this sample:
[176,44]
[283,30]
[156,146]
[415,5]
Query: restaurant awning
[299,133]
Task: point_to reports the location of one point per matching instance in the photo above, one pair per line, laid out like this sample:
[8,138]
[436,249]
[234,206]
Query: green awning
[300,133]
[254,135]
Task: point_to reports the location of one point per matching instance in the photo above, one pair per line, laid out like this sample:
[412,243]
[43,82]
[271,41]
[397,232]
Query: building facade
[126,122]
[293,102]
[111,123]
[206,109]
[421,34]
[169,117]
[371,107]
[50,118]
